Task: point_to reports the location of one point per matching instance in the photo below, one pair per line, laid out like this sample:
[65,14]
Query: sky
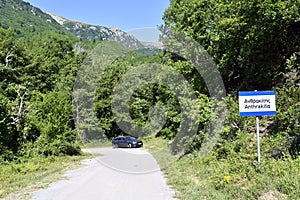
[138,17]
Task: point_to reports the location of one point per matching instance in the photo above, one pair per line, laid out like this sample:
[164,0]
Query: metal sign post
[258,142]
[257,103]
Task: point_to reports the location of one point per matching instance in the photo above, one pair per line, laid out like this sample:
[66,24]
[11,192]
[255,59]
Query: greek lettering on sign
[257,103]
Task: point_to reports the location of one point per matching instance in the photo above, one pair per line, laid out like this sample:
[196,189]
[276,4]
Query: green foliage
[249,40]
[53,63]
[286,122]
[49,124]
[7,133]
[230,169]
[36,81]
[85,87]
[108,81]
[144,98]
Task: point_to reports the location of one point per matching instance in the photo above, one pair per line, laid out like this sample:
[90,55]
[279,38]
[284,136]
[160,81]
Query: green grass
[159,149]
[225,174]
[194,177]
[19,180]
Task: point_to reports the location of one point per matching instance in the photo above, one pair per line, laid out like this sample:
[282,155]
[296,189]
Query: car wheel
[129,145]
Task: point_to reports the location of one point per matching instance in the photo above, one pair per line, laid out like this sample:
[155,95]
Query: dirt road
[126,174]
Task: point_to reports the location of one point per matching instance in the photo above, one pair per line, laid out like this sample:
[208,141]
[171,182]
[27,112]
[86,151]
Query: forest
[46,104]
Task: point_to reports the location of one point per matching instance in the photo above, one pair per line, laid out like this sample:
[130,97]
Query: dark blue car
[126,141]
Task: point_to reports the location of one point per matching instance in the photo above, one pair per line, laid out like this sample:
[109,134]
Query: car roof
[124,137]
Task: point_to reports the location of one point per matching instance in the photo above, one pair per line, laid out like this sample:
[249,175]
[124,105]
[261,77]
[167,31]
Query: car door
[123,142]
[116,142]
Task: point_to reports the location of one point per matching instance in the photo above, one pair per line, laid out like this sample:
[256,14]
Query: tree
[249,40]
[12,58]
[8,143]
[50,123]
[53,63]
[36,79]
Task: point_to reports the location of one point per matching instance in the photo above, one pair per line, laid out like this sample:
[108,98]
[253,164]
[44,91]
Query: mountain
[27,20]
[94,32]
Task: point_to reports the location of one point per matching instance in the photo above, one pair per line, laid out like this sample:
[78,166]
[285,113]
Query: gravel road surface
[119,174]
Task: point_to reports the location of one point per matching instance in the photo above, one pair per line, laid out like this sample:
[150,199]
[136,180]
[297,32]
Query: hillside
[27,20]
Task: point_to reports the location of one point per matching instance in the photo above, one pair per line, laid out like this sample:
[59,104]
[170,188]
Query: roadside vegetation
[256,46]
[234,177]
[231,176]
[18,179]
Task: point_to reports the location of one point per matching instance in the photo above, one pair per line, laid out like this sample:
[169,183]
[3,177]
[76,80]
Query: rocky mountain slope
[93,32]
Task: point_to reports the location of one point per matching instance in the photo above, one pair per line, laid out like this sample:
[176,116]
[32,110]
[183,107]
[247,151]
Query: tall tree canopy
[36,79]
[250,40]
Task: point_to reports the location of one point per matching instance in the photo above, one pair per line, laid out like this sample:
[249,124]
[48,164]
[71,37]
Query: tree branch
[9,57]
[20,112]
